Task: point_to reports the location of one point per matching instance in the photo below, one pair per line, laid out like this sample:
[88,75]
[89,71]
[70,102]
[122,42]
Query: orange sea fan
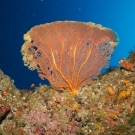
[68,53]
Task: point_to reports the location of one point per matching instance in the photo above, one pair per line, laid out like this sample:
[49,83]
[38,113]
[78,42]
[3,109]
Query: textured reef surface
[105,107]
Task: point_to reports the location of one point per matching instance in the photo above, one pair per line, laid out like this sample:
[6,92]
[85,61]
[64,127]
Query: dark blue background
[18,16]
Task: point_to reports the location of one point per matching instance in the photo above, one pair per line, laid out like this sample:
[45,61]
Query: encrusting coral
[68,53]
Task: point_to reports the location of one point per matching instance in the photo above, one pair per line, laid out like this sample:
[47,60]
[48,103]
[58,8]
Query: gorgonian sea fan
[68,53]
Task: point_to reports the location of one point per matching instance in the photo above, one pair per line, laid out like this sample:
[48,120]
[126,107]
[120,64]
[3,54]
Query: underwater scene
[67,67]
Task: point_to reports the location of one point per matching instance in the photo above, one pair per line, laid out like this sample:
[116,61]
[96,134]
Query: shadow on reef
[106,107]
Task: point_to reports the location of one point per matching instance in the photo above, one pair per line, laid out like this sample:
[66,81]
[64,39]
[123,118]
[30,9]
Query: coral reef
[106,107]
[68,53]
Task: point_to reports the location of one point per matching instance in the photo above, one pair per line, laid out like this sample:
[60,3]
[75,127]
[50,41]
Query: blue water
[18,16]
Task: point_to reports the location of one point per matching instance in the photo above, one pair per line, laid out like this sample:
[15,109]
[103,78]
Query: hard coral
[68,53]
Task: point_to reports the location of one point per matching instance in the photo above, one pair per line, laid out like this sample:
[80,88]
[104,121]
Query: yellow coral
[124,94]
[126,82]
[128,92]
[110,89]
[76,106]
